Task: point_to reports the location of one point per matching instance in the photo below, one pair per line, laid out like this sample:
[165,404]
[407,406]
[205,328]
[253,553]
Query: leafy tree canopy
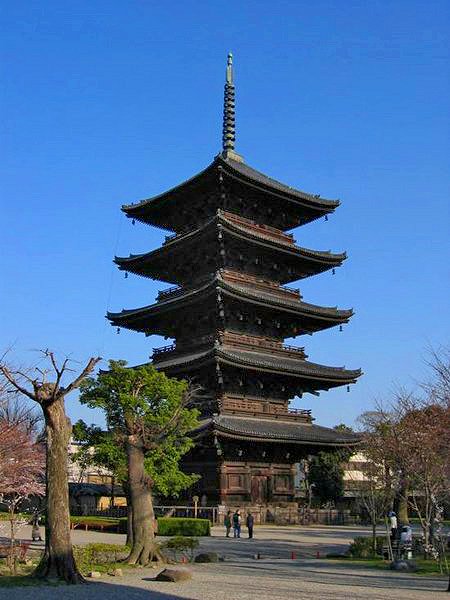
[326,471]
[146,402]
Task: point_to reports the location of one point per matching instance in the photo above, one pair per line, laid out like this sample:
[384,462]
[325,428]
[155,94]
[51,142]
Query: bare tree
[376,487]
[58,561]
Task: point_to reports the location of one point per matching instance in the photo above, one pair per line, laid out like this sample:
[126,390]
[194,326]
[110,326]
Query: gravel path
[250,580]
[240,577]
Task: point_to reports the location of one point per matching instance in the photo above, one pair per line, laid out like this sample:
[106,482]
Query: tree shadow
[89,591]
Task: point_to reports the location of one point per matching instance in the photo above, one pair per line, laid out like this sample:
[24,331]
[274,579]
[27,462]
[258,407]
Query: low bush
[183,527]
[361,547]
[176,526]
[99,556]
[95,522]
[180,545]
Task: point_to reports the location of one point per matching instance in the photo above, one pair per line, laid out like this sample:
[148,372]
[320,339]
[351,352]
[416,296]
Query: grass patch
[425,567]
[23,577]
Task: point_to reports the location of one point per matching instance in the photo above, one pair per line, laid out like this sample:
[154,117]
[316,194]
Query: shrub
[361,547]
[181,544]
[176,526]
[181,527]
[89,557]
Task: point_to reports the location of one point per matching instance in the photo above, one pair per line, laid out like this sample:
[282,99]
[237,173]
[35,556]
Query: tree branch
[77,381]
[8,375]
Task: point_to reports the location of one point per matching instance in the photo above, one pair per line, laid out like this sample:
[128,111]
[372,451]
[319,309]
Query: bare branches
[77,381]
[13,381]
[45,392]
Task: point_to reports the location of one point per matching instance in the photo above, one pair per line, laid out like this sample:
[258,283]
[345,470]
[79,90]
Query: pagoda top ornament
[229,115]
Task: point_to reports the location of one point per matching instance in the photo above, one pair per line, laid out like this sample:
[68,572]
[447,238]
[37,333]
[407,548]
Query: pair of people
[235,520]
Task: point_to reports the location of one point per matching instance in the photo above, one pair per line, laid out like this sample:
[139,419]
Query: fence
[208,512]
[275,515]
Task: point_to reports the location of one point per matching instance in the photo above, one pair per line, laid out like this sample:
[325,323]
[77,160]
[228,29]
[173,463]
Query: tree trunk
[129,540]
[374,537]
[403,516]
[143,547]
[401,507]
[58,561]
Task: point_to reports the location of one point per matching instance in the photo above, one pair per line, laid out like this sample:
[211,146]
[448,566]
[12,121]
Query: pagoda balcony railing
[177,290]
[181,345]
[233,276]
[304,412]
[257,406]
[265,230]
[164,349]
[260,344]
[264,285]
[168,238]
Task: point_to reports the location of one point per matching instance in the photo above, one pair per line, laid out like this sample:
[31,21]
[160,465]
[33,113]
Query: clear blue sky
[105,103]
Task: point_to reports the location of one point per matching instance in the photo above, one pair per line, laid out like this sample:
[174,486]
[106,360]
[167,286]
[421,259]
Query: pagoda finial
[229,123]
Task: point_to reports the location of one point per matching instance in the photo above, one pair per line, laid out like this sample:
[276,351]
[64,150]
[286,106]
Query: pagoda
[229,257]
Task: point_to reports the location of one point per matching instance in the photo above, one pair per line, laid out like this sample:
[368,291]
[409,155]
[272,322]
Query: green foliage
[183,526]
[326,473]
[140,398]
[99,448]
[101,523]
[362,547]
[181,545]
[99,557]
[168,526]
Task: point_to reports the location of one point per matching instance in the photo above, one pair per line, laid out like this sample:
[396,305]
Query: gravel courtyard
[275,577]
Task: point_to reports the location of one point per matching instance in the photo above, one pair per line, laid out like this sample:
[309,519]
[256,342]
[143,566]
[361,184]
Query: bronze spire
[229,123]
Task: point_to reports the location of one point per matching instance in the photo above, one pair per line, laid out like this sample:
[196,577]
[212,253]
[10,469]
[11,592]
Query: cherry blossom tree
[22,473]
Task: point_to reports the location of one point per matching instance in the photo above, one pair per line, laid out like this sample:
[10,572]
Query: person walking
[227,523]
[237,524]
[394,526]
[249,522]
[35,531]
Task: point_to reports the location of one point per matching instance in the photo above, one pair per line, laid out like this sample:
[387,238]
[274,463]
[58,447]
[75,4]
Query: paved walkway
[269,541]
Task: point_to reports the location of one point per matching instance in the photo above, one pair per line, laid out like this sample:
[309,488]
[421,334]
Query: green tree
[326,471]
[147,416]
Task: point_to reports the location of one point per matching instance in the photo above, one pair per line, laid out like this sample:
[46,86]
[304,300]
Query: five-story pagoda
[229,312]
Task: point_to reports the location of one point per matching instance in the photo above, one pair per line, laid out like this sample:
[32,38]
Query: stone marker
[94,574]
[174,575]
[116,573]
[207,557]
[408,566]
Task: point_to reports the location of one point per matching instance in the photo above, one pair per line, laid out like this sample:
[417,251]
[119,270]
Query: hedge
[183,526]
[176,526]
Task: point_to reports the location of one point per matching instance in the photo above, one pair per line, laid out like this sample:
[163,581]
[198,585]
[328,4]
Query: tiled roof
[261,360]
[324,257]
[257,176]
[244,290]
[277,430]
[248,173]
[287,364]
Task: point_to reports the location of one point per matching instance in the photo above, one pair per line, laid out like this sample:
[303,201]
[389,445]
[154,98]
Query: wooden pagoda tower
[229,311]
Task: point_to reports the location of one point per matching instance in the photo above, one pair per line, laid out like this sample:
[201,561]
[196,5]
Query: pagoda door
[259,489]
